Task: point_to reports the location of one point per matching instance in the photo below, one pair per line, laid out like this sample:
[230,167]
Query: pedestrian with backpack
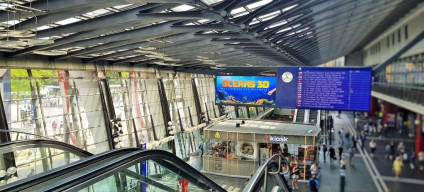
[313,184]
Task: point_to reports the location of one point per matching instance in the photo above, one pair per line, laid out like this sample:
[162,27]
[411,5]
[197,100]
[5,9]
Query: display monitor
[248,87]
[325,88]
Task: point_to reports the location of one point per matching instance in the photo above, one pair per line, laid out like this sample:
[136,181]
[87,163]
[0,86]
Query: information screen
[246,87]
[327,88]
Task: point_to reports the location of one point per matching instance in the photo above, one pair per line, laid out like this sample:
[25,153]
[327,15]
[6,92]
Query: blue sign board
[327,88]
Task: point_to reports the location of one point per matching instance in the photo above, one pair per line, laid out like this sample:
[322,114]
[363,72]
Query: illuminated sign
[246,87]
[327,88]
[276,139]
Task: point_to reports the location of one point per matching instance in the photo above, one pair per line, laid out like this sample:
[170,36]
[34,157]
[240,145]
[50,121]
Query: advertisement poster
[246,149]
[246,90]
[264,155]
[218,166]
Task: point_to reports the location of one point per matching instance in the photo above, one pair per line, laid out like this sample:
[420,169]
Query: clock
[287,77]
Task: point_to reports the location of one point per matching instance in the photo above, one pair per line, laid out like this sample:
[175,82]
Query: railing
[264,172]
[410,93]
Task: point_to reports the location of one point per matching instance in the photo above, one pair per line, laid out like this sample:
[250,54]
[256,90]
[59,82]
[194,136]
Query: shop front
[233,148]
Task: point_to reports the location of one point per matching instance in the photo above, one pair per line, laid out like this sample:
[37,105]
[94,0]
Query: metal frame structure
[197,34]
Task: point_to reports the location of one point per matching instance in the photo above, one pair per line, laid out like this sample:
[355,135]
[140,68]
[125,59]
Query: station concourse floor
[364,176]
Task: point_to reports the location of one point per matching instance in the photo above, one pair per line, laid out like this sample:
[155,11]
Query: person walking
[201,149]
[314,169]
[354,140]
[356,121]
[295,176]
[340,151]
[401,149]
[373,147]
[54,126]
[313,184]
[332,154]
[351,152]
[347,136]
[363,137]
[341,133]
[391,150]
[412,157]
[342,174]
[397,166]
[324,149]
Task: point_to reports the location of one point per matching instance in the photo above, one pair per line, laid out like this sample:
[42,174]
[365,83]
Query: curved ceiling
[202,34]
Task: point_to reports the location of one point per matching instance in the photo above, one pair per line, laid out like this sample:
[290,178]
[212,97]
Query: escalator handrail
[97,173]
[45,143]
[255,180]
[45,176]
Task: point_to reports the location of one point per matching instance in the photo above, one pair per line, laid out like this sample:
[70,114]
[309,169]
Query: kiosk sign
[276,138]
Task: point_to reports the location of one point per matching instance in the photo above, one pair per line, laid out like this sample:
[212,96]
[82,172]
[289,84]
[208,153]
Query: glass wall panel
[206,90]
[51,105]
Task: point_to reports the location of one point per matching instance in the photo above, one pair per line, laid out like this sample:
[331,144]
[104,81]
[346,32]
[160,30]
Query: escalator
[27,158]
[270,176]
[300,115]
[127,169]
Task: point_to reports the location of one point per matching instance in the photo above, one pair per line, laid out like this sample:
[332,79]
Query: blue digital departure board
[327,88]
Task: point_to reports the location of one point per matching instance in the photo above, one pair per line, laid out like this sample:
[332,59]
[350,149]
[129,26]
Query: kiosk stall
[237,148]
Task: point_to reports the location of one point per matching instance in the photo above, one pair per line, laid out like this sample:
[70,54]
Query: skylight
[238,10]
[258,4]
[254,21]
[68,21]
[11,22]
[283,22]
[210,2]
[285,29]
[203,20]
[275,13]
[182,8]
[288,8]
[43,27]
[121,6]
[96,13]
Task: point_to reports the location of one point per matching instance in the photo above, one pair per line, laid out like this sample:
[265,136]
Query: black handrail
[89,176]
[12,145]
[260,173]
[51,174]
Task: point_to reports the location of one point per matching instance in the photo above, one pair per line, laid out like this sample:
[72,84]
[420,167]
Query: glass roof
[268,21]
